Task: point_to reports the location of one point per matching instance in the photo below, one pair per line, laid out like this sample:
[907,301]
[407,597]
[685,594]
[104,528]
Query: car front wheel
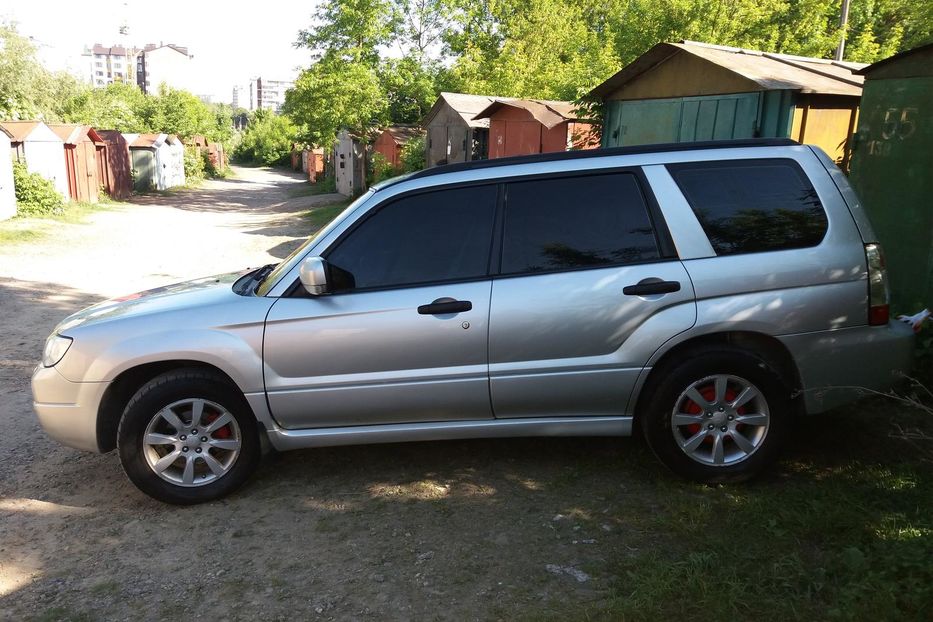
[188,436]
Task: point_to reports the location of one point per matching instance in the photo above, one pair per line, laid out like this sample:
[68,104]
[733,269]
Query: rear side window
[444,235]
[751,206]
[576,222]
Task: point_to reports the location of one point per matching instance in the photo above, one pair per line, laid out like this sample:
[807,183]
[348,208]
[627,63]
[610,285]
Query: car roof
[598,153]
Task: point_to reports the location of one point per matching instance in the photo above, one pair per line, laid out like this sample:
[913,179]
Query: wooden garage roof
[548,113]
[71,133]
[403,133]
[464,104]
[20,131]
[766,70]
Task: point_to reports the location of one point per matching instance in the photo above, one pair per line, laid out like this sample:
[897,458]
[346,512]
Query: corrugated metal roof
[466,105]
[548,113]
[767,70]
[146,140]
[403,133]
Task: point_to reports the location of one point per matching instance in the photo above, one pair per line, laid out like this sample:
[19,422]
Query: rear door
[589,288]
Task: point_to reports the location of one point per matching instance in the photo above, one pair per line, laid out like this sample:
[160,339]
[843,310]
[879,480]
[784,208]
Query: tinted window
[576,222]
[435,236]
[754,205]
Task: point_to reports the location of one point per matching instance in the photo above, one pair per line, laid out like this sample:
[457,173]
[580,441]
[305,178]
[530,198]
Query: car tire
[717,415]
[176,459]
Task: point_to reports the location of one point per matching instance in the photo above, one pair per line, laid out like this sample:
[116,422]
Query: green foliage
[380,169]
[194,165]
[27,89]
[350,29]
[117,107]
[333,94]
[548,48]
[413,155]
[35,195]
[267,140]
[409,88]
[209,169]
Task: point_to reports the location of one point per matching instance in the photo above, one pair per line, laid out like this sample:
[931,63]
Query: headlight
[55,348]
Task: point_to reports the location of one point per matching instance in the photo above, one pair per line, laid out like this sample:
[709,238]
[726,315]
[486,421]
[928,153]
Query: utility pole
[843,22]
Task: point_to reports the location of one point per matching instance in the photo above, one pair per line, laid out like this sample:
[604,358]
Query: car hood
[168,298]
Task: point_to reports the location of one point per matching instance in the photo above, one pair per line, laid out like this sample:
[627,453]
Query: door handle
[443,306]
[647,287]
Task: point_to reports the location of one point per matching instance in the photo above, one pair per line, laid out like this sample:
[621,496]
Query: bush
[267,140]
[412,156]
[380,169]
[194,165]
[35,195]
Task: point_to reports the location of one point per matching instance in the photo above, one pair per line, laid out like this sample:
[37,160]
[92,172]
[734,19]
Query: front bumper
[837,365]
[67,410]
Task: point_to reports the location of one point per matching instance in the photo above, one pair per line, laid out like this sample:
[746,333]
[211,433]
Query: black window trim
[674,167]
[666,248]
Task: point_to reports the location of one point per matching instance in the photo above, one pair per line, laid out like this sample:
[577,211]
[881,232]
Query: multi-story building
[169,64]
[268,94]
[107,65]
[240,97]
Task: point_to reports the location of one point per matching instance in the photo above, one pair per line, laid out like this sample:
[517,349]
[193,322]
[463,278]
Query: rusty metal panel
[554,140]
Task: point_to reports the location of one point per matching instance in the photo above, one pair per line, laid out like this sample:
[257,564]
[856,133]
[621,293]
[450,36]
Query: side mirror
[313,275]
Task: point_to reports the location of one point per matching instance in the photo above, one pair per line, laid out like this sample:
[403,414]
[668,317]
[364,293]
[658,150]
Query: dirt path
[466,530]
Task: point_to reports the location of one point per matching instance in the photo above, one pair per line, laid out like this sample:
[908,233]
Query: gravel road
[470,530]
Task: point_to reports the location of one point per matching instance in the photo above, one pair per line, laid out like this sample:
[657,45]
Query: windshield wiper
[260,275]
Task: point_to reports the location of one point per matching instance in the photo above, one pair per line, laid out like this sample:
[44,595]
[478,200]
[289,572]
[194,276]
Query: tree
[333,94]
[27,89]
[409,87]
[115,107]
[350,29]
[420,25]
[267,140]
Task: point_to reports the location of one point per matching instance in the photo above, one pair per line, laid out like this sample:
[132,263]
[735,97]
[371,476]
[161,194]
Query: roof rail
[601,153]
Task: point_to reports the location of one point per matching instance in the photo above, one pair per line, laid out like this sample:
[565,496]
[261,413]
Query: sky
[231,41]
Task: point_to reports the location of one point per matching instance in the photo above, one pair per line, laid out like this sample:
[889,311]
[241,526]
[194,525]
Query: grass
[308,189]
[841,530]
[26,229]
[319,217]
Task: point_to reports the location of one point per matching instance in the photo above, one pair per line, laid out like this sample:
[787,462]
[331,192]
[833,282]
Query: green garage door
[682,119]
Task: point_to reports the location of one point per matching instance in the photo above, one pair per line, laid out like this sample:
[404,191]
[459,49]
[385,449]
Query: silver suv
[704,293]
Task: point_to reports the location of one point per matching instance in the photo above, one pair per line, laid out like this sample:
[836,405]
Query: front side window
[752,206]
[569,223]
[436,236]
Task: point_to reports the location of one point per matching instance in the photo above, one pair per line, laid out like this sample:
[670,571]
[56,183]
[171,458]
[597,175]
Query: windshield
[289,262]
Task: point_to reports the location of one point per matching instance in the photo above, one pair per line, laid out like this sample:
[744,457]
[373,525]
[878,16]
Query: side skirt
[284,440]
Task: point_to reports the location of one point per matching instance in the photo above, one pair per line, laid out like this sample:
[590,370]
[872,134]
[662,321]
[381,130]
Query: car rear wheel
[717,416]
[188,436]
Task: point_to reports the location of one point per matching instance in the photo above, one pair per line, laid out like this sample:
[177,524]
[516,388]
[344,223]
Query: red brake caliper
[709,394]
[223,432]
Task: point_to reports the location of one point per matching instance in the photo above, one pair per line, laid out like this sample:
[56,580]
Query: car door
[403,336]
[589,288]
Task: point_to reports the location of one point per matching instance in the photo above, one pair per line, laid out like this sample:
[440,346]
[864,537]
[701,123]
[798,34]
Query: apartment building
[170,64]
[268,94]
[106,65]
